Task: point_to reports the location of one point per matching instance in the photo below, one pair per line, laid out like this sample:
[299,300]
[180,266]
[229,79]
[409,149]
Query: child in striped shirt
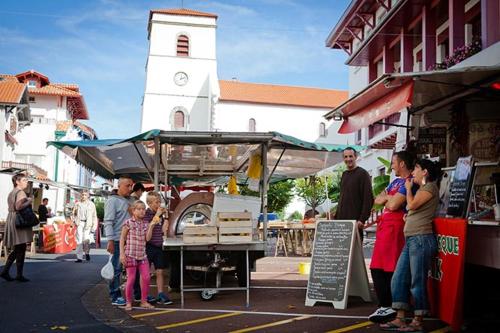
[133,254]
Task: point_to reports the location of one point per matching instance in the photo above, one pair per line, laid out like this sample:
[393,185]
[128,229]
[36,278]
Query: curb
[97,304]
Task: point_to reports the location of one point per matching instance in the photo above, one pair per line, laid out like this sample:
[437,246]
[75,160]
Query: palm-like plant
[382,181]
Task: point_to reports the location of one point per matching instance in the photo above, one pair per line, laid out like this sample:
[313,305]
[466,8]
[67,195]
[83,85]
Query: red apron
[389,241]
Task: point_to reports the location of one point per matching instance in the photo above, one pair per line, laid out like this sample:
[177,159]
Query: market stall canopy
[420,92]
[201,158]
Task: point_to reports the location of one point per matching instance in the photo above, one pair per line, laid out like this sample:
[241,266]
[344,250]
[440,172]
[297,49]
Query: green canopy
[201,158]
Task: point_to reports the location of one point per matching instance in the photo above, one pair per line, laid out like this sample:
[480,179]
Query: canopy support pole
[144,163]
[264,184]
[157,165]
[276,165]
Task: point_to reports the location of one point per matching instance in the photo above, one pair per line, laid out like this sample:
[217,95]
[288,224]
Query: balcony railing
[25,166]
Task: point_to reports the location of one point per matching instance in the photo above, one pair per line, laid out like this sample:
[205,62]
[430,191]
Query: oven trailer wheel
[208,294]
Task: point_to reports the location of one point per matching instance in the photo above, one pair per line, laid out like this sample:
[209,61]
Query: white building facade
[55,111]
[181,71]
[183,92]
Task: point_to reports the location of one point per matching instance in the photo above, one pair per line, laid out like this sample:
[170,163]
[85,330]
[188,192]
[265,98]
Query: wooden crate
[235,227]
[199,234]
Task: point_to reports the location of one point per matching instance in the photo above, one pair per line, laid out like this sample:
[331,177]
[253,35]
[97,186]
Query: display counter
[178,244]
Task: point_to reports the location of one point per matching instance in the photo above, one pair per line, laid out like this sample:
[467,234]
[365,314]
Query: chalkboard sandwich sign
[337,265]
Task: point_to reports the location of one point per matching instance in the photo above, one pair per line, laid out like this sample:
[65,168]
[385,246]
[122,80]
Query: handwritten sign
[336,247]
[460,187]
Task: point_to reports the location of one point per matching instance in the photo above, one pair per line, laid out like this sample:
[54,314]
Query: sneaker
[382,314]
[120,301]
[163,299]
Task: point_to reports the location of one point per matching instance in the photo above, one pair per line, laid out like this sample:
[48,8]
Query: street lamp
[337,115]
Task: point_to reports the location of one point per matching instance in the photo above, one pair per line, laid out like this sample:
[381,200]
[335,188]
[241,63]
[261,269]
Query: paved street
[52,301]
[67,297]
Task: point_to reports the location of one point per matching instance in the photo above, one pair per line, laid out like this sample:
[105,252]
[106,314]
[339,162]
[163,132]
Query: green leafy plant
[99,207]
[333,182]
[311,190]
[382,181]
[279,195]
[296,215]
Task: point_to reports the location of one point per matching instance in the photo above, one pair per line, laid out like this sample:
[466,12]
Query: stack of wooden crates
[235,227]
[200,234]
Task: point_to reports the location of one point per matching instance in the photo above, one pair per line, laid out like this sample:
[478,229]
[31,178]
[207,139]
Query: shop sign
[447,271]
[432,143]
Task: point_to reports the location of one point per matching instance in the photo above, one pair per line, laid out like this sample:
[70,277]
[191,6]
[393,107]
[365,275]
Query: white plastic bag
[108,271]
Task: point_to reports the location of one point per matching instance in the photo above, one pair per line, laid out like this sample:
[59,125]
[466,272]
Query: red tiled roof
[283,95]
[52,90]
[180,11]
[8,77]
[11,91]
[75,102]
[43,78]
[85,128]
[70,86]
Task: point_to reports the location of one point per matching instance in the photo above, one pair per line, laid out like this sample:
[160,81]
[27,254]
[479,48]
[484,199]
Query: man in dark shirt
[356,196]
[42,210]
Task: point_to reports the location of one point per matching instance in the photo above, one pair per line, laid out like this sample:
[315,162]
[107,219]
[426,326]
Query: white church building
[183,91]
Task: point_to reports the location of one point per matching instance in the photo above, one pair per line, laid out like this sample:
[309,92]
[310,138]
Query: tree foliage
[99,207]
[279,195]
[296,215]
[311,190]
[333,183]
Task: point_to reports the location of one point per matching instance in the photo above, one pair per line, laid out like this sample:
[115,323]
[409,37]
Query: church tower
[181,71]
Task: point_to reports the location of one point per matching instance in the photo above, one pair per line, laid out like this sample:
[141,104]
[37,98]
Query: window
[32,83]
[32,99]
[322,130]
[251,125]
[374,129]
[183,46]
[392,119]
[357,138]
[179,120]
[38,119]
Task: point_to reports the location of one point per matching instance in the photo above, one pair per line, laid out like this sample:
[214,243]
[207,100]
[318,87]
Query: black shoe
[6,276]
[87,257]
[78,260]
[22,279]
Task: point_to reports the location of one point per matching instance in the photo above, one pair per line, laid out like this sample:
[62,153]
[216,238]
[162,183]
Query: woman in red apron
[390,239]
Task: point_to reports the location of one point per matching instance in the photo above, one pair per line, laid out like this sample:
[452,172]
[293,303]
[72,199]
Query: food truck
[451,115]
[206,228]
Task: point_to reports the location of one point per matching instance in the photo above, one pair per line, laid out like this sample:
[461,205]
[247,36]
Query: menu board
[460,187]
[330,261]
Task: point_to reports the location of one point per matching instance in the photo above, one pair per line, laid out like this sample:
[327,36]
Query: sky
[102,46]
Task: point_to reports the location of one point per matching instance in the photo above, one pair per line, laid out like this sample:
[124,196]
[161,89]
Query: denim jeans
[411,273]
[114,285]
